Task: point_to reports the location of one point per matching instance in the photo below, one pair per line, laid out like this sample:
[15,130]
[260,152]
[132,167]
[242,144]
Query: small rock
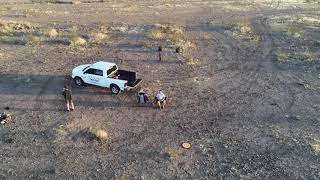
[287,116]
[313,167]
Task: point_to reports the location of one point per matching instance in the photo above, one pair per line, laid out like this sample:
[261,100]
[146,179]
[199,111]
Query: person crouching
[142,98]
[67,94]
[160,99]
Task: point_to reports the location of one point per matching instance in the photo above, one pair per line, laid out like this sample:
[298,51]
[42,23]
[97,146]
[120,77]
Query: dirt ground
[245,93]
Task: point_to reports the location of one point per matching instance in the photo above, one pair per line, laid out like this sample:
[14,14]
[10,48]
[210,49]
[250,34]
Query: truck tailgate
[135,83]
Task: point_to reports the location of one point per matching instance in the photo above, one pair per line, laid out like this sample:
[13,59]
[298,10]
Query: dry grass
[77,40]
[155,34]
[184,44]
[98,133]
[295,57]
[5,29]
[243,30]
[315,145]
[173,34]
[52,33]
[292,25]
[193,61]
[58,1]
[312,1]
[173,153]
[174,29]
[282,57]
[120,27]
[311,87]
[32,39]
[145,44]
[294,32]
[97,37]
[123,177]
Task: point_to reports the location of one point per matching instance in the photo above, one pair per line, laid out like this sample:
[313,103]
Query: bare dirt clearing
[244,92]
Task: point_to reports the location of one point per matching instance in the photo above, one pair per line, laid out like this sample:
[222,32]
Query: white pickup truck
[105,74]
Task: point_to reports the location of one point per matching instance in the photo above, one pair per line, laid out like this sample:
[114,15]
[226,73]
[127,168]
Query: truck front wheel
[115,89]
[78,81]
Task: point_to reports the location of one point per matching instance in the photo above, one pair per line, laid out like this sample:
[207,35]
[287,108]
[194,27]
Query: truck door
[93,76]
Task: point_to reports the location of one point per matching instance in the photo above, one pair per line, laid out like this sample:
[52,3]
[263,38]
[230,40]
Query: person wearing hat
[160,98]
[67,94]
[142,97]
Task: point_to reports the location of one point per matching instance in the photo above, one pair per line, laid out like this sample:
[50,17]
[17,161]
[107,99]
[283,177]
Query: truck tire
[78,81]
[114,89]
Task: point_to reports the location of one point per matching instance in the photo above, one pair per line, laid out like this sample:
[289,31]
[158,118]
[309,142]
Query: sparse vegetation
[283,57]
[32,39]
[122,27]
[313,1]
[52,33]
[294,32]
[58,1]
[155,33]
[173,153]
[243,30]
[315,145]
[77,40]
[311,87]
[100,134]
[97,37]
[306,56]
[192,61]
[123,177]
[172,34]
[5,29]
[145,44]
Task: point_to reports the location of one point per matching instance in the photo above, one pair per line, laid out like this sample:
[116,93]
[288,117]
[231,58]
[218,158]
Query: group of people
[142,98]
[160,98]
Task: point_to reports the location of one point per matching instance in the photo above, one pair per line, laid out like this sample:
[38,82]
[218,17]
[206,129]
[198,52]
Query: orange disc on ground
[186,145]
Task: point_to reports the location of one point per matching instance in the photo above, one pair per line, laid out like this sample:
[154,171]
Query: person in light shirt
[160,98]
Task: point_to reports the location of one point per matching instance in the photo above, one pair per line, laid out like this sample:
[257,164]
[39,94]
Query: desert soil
[249,106]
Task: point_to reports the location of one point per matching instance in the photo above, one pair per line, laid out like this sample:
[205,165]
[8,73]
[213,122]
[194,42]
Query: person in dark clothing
[142,98]
[178,49]
[67,94]
[160,50]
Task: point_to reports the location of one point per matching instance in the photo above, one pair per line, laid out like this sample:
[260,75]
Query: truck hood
[79,69]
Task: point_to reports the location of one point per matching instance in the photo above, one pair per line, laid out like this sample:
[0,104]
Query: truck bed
[129,76]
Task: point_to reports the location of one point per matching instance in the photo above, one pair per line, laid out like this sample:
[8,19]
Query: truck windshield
[111,70]
[85,68]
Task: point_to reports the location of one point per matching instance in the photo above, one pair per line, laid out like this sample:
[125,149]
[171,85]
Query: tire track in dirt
[254,66]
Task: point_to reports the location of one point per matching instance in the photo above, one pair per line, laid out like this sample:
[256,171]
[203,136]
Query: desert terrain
[244,91]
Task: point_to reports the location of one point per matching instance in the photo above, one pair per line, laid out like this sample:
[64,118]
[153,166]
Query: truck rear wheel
[115,89]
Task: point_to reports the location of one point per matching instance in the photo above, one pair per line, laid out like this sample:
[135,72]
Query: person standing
[160,51]
[160,99]
[67,94]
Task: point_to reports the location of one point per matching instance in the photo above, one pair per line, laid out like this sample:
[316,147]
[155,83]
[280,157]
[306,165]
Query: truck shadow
[21,91]
[40,85]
